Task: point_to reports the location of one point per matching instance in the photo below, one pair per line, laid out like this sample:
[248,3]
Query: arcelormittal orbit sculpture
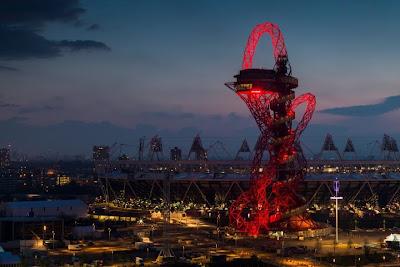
[272,200]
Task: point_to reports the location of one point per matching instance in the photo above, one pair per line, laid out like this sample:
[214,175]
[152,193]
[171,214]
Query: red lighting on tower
[269,94]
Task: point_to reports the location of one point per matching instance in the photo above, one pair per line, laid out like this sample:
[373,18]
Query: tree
[366,248]
[349,243]
[318,245]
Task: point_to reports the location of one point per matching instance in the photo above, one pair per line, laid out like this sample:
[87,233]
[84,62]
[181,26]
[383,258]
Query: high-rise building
[101,153]
[8,181]
[5,158]
[101,159]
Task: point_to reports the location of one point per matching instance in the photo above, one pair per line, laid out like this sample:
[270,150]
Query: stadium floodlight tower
[269,95]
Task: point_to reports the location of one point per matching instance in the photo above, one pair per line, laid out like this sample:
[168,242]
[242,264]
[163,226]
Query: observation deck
[262,79]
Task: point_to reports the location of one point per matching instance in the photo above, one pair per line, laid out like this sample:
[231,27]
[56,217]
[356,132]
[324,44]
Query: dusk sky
[76,73]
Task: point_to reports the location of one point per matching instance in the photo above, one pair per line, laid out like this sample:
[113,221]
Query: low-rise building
[24,232]
[7,259]
[51,208]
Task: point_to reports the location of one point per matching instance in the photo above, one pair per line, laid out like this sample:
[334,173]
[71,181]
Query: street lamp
[44,232]
[336,187]
[54,234]
[109,234]
[236,238]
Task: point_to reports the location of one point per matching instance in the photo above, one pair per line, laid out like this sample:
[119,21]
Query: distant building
[7,259]
[25,232]
[123,157]
[176,154]
[101,152]
[63,180]
[393,241]
[5,158]
[101,159]
[48,179]
[53,208]
[23,223]
[8,181]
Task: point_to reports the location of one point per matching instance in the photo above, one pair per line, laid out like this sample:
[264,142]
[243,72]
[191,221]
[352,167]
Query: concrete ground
[192,237]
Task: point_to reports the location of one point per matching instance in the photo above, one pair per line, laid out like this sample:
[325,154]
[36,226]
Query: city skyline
[199,133]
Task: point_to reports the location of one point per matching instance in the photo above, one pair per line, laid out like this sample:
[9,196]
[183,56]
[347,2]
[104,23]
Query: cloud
[388,104]
[6,68]
[8,105]
[38,12]
[169,115]
[21,24]
[165,115]
[52,104]
[83,45]
[25,44]
[93,27]
[36,109]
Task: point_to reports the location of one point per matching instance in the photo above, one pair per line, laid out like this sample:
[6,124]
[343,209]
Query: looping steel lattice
[270,97]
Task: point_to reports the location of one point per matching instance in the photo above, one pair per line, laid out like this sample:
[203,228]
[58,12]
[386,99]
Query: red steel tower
[271,200]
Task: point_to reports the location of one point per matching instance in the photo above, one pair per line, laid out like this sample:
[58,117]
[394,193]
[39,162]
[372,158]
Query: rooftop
[44,203]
